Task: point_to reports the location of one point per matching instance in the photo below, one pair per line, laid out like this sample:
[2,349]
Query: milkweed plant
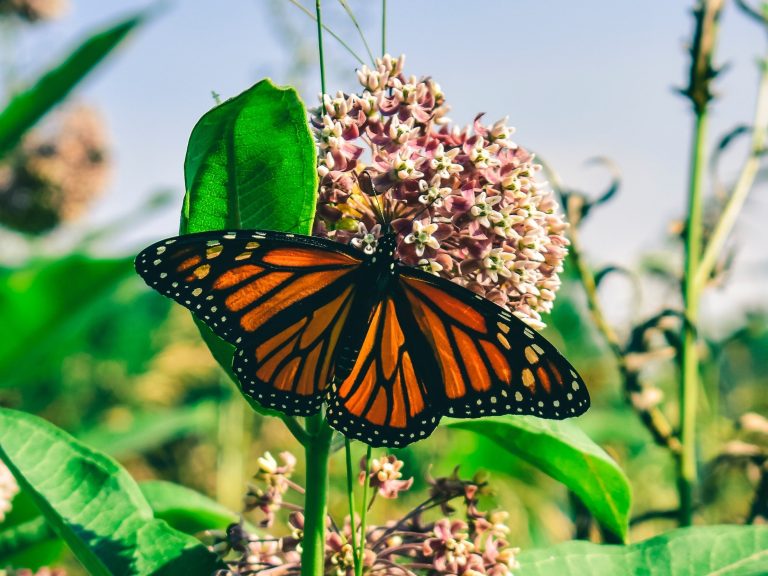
[468,204]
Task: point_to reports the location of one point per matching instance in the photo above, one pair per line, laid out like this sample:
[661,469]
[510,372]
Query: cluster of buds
[272,482]
[465,203]
[34,10]
[472,545]
[55,173]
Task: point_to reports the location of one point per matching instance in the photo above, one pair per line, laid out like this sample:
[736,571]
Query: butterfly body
[390,349]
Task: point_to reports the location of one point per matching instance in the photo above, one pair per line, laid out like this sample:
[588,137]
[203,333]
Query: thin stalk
[335,36]
[363,513]
[348,10]
[316,454]
[743,184]
[383,27]
[351,499]
[317,448]
[689,382]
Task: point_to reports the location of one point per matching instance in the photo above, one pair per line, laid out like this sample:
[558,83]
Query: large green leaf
[28,106]
[699,551]
[94,505]
[564,452]
[250,163]
[45,301]
[185,509]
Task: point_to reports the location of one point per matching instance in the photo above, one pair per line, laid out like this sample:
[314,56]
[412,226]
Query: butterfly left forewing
[491,362]
[281,299]
[384,401]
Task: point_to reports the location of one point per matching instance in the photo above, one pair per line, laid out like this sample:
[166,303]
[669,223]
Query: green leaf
[150,429]
[250,163]
[185,509]
[564,452]
[45,301]
[94,505]
[31,544]
[27,107]
[699,551]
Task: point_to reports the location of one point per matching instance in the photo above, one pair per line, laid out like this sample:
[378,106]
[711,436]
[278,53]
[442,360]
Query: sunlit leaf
[564,452]
[94,505]
[699,551]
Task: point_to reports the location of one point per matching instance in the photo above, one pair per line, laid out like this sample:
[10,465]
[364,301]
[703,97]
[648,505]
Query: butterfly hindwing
[384,401]
[281,299]
[490,361]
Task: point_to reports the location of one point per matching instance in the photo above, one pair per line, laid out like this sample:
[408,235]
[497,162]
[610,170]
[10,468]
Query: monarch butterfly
[389,348]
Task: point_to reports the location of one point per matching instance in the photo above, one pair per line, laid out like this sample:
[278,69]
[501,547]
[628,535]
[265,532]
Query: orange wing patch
[302,257]
[459,311]
[382,401]
[293,293]
[434,329]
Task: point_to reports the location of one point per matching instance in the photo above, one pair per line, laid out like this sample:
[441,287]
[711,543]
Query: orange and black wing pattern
[281,299]
[490,362]
[385,400]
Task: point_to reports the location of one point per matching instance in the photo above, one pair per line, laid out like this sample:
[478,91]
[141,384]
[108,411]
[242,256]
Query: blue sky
[577,79]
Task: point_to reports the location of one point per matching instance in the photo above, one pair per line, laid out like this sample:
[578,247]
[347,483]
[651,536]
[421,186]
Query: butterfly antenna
[366,185]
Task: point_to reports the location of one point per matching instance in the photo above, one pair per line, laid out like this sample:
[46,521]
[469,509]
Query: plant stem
[316,454]
[689,383]
[383,27]
[364,513]
[351,499]
[707,15]
[743,184]
[319,18]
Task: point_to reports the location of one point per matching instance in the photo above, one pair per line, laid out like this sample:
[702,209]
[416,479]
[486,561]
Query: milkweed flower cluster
[56,172]
[465,202]
[472,545]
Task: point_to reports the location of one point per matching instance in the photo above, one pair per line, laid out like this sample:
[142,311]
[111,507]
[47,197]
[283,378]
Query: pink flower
[498,231]
[385,475]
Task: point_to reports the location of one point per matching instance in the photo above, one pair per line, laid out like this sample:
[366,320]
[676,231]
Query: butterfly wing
[490,362]
[281,299]
[385,399]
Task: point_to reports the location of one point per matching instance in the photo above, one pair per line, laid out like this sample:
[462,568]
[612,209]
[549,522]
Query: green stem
[319,18]
[743,184]
[689,382]
[351,499]
[383,27]
[364,514]
[316,453]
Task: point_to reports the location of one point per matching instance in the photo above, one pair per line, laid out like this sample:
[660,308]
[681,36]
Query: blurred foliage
[84,345]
